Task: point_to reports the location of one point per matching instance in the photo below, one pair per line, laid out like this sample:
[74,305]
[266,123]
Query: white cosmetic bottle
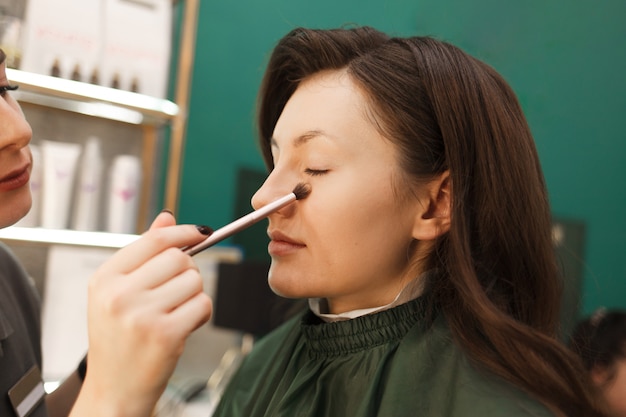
[89,188]
[124,184]
[59,171]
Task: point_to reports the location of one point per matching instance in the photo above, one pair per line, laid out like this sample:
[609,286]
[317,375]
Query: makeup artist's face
[350,240]
[15,157]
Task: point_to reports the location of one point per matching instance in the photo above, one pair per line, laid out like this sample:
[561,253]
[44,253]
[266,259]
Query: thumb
[164,219]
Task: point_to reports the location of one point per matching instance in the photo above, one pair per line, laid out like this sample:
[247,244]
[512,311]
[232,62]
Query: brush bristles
[302,190]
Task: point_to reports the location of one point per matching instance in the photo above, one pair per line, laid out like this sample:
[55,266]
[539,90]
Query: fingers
[160,268]
[163,219]
[153,242]
[193,313]
[146,264]
[172,287]
[174,292]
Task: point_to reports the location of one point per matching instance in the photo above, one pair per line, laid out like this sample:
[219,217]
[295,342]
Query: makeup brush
[301,191]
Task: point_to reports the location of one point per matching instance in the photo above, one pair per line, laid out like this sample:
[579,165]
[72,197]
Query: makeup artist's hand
[143,304]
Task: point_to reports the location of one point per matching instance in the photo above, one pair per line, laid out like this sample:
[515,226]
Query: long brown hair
[445,110]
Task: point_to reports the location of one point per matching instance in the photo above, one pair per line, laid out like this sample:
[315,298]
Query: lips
[282,245]
[15,179]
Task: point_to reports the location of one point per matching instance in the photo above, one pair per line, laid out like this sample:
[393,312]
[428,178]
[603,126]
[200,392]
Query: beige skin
[15,158]
[143,303]
[358,238]
[612,384]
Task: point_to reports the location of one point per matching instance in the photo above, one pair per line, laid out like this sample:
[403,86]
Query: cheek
[616,392]
[346,228]
[340,215]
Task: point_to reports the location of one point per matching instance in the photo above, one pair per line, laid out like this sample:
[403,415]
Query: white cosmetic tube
[125,181]
[89,187]
[32,218]
[59,171]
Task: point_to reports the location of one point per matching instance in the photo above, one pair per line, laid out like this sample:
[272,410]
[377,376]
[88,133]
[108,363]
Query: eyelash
[315,172]
[5,88]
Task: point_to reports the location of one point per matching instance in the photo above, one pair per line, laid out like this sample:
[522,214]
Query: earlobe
[433,218]
[600,375]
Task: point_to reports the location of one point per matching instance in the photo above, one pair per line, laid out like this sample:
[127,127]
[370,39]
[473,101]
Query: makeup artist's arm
[143,304]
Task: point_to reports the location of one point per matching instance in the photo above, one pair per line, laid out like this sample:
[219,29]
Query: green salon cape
[388,364]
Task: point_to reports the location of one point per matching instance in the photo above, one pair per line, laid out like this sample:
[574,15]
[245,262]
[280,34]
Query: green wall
[565,59]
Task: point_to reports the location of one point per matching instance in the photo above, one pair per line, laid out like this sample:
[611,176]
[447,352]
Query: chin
[287,287]
[282,290]
[14,211]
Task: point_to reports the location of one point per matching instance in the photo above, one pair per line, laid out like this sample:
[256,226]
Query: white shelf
[92,100]
[66,237]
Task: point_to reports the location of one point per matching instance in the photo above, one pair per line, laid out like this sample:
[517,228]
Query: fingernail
[205,230]
[167,211]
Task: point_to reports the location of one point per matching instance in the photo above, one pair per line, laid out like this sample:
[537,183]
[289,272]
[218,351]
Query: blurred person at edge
[142,304]
[600,341]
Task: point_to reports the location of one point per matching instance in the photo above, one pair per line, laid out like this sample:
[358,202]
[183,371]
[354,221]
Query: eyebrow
[302,139]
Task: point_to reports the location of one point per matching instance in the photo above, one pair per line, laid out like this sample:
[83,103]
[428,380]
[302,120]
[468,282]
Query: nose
[262,195]
[15,132]
[273,188]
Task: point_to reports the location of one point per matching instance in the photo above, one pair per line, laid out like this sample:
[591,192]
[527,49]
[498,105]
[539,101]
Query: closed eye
[5,88]
[315,172]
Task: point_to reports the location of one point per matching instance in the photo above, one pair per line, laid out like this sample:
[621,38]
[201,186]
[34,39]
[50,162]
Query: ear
[434,214]
[600,375]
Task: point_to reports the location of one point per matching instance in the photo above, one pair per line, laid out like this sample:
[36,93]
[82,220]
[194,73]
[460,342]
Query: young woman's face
[15,157]
[350,240]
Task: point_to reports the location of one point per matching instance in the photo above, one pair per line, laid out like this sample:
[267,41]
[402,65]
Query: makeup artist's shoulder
[8,260]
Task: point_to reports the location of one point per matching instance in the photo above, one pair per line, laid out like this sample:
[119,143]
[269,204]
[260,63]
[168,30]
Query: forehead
[329,103]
